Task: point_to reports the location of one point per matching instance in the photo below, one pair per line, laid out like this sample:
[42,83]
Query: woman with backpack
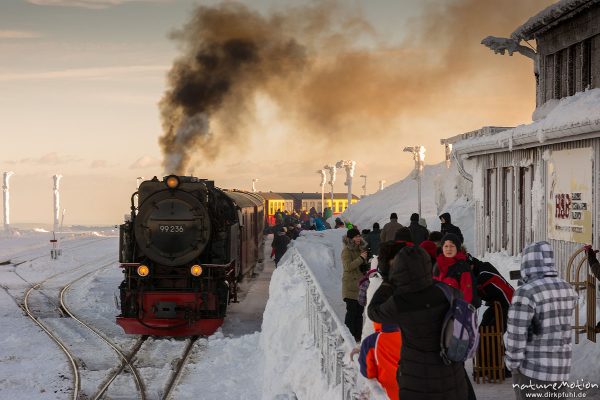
[409,298]
[454,270]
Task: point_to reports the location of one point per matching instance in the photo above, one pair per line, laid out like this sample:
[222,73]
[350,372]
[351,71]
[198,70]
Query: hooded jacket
[411,300]
[380,356]
[540,319]
[352,264]
[447,227]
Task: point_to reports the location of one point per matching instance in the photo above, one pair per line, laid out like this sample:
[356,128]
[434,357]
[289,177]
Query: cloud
[90,4]
[83,73]
[99,164]
[145,162]
[47,159]
[8,34]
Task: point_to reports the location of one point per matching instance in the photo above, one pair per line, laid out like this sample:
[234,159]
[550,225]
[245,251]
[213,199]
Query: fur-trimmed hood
[349,243]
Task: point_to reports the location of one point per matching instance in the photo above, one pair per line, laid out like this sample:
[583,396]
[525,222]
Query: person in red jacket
[454,270]
[380,355]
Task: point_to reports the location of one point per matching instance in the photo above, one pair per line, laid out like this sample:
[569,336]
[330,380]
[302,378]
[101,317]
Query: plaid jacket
[539,319]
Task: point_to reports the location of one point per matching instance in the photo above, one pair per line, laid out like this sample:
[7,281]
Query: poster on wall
[569,195]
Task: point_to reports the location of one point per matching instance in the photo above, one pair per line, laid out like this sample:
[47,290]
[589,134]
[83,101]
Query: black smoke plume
[307,60]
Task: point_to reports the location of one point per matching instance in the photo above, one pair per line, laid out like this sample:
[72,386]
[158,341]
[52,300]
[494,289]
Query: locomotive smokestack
[5,187]
[56,201]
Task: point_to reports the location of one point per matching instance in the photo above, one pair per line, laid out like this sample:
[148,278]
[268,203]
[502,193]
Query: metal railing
[334,344]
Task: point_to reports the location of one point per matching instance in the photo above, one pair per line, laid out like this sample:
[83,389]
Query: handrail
[333,343]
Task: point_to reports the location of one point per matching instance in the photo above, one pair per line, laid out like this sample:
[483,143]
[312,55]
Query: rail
[334,344]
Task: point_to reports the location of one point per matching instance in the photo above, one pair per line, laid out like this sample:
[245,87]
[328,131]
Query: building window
[557,75]
[507,209]
[571,71]
[586,64]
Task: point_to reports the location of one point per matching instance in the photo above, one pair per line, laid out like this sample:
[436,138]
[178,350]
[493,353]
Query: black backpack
[456,272]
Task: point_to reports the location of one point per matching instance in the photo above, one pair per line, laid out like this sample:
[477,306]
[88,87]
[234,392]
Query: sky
[81,83]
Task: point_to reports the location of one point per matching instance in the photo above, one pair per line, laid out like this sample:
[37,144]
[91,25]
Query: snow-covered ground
[265,349]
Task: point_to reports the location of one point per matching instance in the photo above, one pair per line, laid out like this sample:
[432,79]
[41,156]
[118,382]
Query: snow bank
[290,355]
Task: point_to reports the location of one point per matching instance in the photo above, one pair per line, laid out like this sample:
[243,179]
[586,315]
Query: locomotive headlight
[196,270]
[172,181]
[143,270]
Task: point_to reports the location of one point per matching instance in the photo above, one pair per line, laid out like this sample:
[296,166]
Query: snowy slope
[442,190]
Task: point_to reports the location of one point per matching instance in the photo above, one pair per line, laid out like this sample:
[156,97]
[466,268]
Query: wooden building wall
[511,212]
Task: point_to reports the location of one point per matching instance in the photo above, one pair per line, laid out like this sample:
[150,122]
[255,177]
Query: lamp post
[331,169]
[381,183]
[418,153]
[56,196]
[349,166]
[254,184]
[323,179]
[364,186]
[6,195]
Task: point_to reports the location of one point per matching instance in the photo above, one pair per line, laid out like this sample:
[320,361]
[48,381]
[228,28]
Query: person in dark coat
[373,239]
[436,237]
[279,245]
[419,232]
[447,227]
[387,252]
[491,288]
[409,298]
[390,229]
[593,261]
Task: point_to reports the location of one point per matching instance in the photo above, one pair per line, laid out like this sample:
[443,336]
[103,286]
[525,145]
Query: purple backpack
[363,286]
[460,337]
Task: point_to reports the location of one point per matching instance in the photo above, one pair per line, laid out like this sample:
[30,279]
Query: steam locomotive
[183,251]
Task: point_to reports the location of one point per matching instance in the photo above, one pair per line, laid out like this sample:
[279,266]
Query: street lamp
[323,179]
[254,185]
[331,169]
[418,153]
[6,194]
[349,166]
[364,186]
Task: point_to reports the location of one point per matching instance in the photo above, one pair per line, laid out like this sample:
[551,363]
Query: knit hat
[352,233]
[453,238]
[414,217]
[430,247]
[403,234]
[393,216]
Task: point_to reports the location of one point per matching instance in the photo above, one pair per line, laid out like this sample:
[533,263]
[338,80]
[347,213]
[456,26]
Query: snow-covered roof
[571,117]
[550,16]
[485,131]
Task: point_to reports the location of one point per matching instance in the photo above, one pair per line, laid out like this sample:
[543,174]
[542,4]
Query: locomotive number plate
[171,228]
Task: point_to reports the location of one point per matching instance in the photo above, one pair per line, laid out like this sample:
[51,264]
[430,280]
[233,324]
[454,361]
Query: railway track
[126,359]
[176,374]
[37,314]
[45,318]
